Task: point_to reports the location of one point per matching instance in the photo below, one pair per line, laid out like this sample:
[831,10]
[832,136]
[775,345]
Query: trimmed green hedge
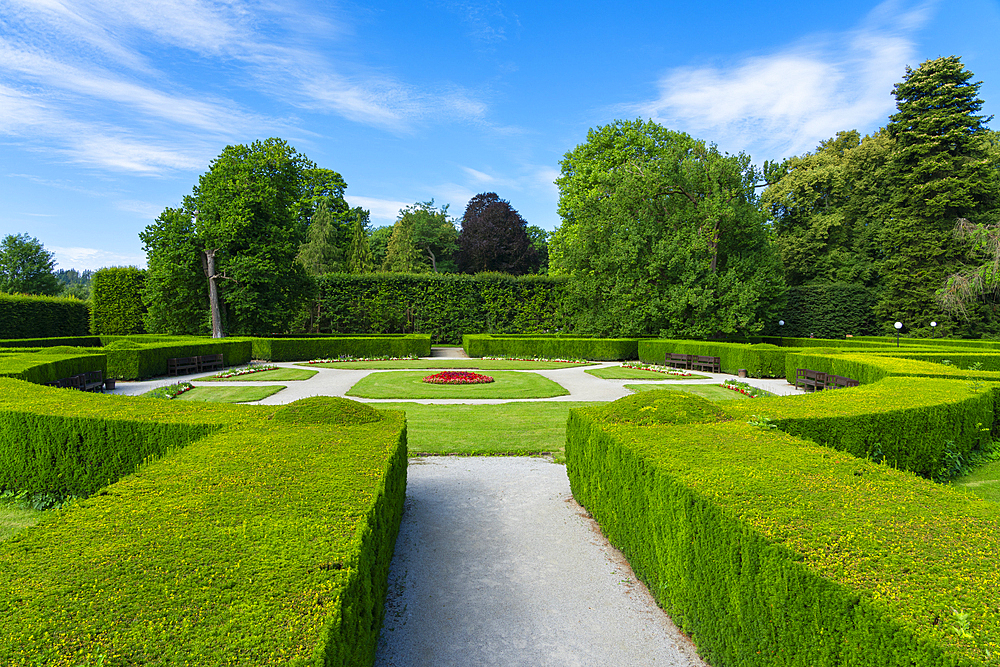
[912,423]
[322,347]
[41,317]
[760,360]
[446,306]
[267,542]
[49,365]
[830,310]
[770,550]
[130,360]
[76,341]
[551,347]
[116,301]
[70,443]
[868,368]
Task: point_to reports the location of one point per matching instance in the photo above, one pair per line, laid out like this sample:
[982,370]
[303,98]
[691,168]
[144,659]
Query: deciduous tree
[244,223]
[662,235]
[26,266]
[495,238]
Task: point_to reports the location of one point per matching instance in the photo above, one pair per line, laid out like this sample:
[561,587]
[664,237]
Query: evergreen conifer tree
[937,172]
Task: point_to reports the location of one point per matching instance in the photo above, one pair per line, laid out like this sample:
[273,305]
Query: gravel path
[496,564]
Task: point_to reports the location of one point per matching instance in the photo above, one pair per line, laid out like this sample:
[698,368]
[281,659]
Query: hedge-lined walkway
[496,564]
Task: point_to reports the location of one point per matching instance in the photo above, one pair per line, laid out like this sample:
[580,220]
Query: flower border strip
[457,377]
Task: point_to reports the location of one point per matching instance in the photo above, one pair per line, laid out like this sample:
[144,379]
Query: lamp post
[898,325]
[781,336]
[933,328]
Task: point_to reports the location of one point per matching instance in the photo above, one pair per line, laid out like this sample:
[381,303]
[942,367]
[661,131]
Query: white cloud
[383,211]
[785,103]
[79,79]
[143,209]
[82,259]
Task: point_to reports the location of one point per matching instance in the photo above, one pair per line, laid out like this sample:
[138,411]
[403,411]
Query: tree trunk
[213,293]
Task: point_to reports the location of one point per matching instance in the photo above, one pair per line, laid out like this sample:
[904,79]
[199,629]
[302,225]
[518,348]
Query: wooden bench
[840,382]
[73,382]
[707,364]
[210,362]
[182,365]
[94,381]
[675,360]
[810,379]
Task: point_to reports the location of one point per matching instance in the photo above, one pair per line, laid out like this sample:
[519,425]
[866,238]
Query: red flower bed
[458,377]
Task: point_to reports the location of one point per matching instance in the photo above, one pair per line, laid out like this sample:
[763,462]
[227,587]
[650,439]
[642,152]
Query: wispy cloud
[87,79]
[382,211]
[786,102]
[82,259]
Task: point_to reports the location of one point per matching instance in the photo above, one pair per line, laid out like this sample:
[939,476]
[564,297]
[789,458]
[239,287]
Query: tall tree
[174,290]
[495,238]
[423,239]
[662,235]
[323,250]
[26,266]
[245,219]
[825,208]
[938,171]
[359,257]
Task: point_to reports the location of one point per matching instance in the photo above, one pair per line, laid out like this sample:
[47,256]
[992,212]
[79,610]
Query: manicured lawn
[712,392]
[507,428]
[471,364]
[984,481]
[277,375]
[14,519]
[409,385]
[228,394]
[619,373]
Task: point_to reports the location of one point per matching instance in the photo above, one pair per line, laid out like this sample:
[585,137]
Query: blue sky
[111,109]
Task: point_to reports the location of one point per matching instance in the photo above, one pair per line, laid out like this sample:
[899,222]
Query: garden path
[496,564]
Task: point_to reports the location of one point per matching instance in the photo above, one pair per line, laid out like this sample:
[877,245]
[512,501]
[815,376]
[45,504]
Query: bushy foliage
[446,306]
[42,317]
[495,238]
[274,535]
[116,306]
[551,347]
[662,235]
[26,267]
[761,545]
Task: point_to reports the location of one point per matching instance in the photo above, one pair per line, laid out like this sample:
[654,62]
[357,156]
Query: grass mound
[327,410]
[650,408]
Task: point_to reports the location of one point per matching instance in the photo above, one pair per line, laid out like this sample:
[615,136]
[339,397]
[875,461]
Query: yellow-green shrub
[772,551]
[267,542]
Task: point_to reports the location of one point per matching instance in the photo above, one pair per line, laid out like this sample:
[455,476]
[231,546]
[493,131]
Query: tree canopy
[662,235]
[494,237]
[423,240]
[235,239]
[26,267]
[938,172]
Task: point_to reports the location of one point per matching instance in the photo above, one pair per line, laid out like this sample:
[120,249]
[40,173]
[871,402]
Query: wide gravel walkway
[496,564]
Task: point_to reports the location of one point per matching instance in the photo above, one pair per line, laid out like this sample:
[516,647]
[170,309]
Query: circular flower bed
[458,377]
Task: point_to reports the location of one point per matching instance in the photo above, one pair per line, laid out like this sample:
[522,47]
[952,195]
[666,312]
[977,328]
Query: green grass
[14,519]
[712,392]
[472,364]
[619,373]
[228,394]
[984,481]
[277,375]
[507,428]
[409,385]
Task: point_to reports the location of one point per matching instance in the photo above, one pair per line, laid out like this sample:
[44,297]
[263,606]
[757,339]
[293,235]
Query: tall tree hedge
[116,307]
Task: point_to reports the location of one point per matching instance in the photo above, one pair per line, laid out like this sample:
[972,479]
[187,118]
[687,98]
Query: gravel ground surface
[496,564]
